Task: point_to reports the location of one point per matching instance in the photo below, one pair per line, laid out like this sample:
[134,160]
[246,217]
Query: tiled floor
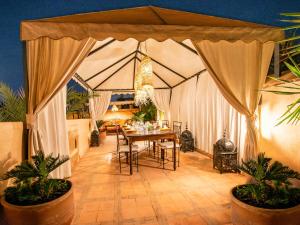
[194,194]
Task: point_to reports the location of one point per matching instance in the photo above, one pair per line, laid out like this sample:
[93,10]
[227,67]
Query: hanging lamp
[144,90]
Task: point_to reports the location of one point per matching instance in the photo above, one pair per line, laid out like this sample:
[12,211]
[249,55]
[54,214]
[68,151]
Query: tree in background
[12,104]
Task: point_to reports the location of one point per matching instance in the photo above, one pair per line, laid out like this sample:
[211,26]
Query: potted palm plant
[269,199]
[102,129]
[35,198]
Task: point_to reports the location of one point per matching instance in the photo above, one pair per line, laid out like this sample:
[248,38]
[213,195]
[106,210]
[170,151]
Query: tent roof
[152,15]
[112,64]
[144,22]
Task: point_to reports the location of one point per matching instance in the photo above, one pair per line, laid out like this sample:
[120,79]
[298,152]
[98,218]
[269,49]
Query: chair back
[165,123]
[118,139]
[177,129]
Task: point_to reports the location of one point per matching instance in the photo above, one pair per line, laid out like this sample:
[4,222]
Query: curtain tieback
[251,118]
[30,121]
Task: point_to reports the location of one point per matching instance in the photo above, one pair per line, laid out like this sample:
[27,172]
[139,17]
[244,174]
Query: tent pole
[134,64]
[102,46]
[25,142]
[277,60]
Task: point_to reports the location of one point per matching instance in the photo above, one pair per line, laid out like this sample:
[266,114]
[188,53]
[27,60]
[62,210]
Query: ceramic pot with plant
[35,198]
[102,129]
[270,198]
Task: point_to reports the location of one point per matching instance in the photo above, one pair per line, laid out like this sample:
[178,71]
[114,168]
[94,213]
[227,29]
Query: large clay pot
[244,214]
[57,212]
[102,135]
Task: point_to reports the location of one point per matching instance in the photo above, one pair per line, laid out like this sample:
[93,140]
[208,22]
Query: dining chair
[165,123]
[124,150]
[169,145]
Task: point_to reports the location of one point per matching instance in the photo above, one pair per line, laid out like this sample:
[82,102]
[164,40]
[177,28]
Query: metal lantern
[187,141]
[225,155]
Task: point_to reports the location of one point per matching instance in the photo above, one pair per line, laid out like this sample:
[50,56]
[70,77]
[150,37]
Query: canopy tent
[236,54]
[111,64]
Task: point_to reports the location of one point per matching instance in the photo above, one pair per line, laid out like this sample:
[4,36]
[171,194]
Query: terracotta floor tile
[88,217]
[193,195]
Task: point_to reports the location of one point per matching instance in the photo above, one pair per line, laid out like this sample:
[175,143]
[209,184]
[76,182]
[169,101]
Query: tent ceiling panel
[172,63]
[101,43]
[168,76]
[174,56]
[106,57]
[112,71]
[121,80]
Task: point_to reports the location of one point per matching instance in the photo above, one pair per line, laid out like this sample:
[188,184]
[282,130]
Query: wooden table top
[155,134]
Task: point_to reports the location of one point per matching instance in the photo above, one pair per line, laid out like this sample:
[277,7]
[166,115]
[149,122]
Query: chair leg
[137,162]
[120,161]
[178,155]
[163,156]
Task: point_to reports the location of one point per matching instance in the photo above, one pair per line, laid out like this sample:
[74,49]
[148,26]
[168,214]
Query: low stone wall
[79,135]
[11,141]
[11,147]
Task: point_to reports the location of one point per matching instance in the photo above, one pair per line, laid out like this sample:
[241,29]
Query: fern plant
[32,182]
[12,104]
[271,187]
[290,54]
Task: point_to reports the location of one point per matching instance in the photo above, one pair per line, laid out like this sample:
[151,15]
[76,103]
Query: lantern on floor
[225,155]
[187,141]
[94,138]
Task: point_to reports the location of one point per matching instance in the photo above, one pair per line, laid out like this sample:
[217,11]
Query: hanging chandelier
[114,108]
[144,90]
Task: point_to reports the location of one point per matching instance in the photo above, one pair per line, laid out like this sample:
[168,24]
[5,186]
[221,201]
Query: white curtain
[92,113]
[200,106]
[161,100]
[214,115]
[183,104]
[99,104]
[52,123]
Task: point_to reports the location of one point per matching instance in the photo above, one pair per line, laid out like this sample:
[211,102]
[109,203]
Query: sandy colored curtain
[50,64]
[239,70]
[52,123]
[101,102]
[162,101]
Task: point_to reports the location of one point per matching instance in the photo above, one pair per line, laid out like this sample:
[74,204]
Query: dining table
[153,135]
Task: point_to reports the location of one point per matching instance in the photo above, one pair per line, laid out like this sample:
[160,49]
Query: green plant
[290,54]
[32,184]
[77,101]
[100,123]
[138,116]
[147,113]
[12,104]
[272,184]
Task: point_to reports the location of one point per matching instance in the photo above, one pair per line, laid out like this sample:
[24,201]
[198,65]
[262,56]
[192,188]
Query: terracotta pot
[244,214]
[57,212]
[102,135]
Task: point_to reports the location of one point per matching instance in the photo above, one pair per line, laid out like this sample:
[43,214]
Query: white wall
[81,128]
[279,142]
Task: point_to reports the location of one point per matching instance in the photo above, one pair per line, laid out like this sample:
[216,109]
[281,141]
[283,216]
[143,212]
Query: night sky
[12,12]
